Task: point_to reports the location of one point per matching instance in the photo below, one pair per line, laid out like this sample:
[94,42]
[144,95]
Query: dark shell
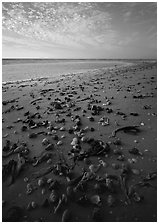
[134,151]
[33,135]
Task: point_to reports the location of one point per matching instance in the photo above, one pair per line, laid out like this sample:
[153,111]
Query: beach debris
[133,129]
[96,109]
[135,171]
[62,129]
[49,147]
[94,168]
[53,185]
[32,135]
[121,157]
[5,102]
[22,149]
[136,197]
[134,114]
[41,182]
[74,141]
[135,151]
[98,147]
[104,164]
[146,107]
[30,188]
[26,179]
[151,176]
[95,199]
[24,128]
[45,141]
[69,191]
[104,121]
[59,142]
[132,160]
[43,157]
[12,169]
[62,201]
[57,104]
[53,197]
[110,200]
[66,216]
[117,142]
[33,204]
[83,200]
[43,191]
[123,179]
[34,101]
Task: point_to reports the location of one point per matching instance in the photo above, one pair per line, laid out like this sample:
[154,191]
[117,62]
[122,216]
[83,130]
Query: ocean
[22,69]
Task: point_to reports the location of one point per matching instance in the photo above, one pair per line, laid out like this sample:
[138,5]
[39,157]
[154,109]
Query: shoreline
[64,74]
[105,69]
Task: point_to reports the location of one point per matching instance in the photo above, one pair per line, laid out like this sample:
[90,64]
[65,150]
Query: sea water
[22,69]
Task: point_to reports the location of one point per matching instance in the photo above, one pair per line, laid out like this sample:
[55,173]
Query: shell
[95,199]
[62,129]
[135,171]
[50,180]
[33,204]
[43,191]
[45,141]
[94,168]
[32,135]
[49,147]
[54,184]
[53,197]
[66,216]
[110,200]
[49,161]
[69,191]
[74,141]
[59,143]
[136,197]
[26,179]
[84,139]
[41,182]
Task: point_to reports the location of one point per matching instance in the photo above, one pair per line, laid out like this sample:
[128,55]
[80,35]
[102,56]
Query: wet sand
[61,129]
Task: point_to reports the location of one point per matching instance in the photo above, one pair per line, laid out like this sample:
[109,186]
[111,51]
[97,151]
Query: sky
[79,30]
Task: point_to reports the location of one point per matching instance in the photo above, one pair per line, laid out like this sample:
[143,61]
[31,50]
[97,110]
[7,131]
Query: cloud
[84,28]
[68,24]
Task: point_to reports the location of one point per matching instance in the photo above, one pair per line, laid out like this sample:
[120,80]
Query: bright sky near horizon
[79,30]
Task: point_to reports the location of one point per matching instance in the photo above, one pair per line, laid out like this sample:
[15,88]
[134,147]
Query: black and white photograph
[79,111]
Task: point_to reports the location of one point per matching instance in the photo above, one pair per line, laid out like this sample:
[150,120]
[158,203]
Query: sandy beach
[79,147]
